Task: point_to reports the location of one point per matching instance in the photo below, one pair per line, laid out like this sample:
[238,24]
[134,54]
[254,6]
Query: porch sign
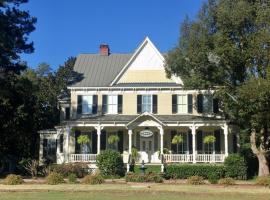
[146,133]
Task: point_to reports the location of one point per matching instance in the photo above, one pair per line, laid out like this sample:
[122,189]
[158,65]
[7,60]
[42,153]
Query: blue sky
[68,27]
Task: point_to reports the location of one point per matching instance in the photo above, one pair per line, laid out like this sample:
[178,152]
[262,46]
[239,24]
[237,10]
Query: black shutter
[103,140]
[217,143]
[190,103]
[199,142]
[190,142]
[120,104]
[45,143]
[94,142]
[200,103]
[79,104]
[95,104]
[61,143]
[120,142]
[139,104]
[215,105]
[174,103]
[67,113]
[155,103]
[173,146]
[104,104]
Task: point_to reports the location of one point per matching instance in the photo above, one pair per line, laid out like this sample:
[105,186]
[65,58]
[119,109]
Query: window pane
[87,103]
[146,103]
[112,104]
[182,103]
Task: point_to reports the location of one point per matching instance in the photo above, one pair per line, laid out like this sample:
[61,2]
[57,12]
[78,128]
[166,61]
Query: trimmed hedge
[54,178]
[149,177]
[13,179]
[235,167]
[183,171]
[79,169]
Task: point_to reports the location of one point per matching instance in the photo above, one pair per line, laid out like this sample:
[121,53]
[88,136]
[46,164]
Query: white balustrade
[82,157]
[203,158]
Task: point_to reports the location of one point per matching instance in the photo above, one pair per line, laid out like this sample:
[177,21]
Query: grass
[149,168]
[132,192]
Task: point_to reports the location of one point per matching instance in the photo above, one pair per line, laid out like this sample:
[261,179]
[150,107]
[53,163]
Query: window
[147,103]
[182,103]
[112,104]
[87,104]
[207,103]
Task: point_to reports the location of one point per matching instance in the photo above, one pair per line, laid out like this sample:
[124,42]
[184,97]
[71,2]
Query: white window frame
[151,103]
[112,107]
[182,104]
[85,103]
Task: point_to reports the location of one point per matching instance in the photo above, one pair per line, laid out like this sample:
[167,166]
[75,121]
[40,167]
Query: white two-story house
[129,95]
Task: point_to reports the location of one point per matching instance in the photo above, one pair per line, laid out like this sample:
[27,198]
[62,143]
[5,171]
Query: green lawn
[132,192]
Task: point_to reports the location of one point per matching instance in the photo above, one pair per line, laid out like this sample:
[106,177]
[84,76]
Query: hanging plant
[112,139]
[134,153]
[177,139]
[209,139]
[83,139]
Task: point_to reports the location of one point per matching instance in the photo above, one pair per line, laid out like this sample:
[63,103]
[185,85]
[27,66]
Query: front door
[147,149]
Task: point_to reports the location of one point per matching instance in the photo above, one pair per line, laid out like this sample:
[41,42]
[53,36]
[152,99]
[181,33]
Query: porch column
[129,141]
[41,149]
[225,129]
[161,131]
[67,143]
[193,131]
[98,128]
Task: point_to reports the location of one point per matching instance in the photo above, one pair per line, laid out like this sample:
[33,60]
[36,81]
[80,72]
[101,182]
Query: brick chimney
[104,50]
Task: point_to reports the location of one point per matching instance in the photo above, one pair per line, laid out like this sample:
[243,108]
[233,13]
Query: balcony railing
[89,158]
[200,158]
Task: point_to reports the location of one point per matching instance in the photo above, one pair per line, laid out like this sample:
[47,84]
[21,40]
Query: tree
[227,48]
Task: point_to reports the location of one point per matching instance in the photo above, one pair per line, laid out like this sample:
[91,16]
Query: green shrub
[149,169]
[93,179]
[195,180]
[54,178]
[264,181]
[110,163]
[235,167]
[13,179]
[149,177]
[213,178]
[184,171]
[226,181]
[79,169]
[72,178]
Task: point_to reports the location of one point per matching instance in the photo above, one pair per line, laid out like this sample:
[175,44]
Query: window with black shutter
[199,141]
[120,104]
[215,105]
[217,142]
[61,143]
[190,142]
[94,142]
[67,113]
[200,103]
[95,104]
[79,104]
[155,103]
[121,141]
[104,104]
[103,140]
[139,104]
[190,103]
[174,103]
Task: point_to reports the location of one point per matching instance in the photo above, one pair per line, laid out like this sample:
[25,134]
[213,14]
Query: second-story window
[112,104]
[147,103]
[182,103]
[87,104]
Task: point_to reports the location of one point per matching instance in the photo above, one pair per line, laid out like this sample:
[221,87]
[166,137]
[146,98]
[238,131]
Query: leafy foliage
[13,179]
[93,179]
[195,180]
[72,178]
[209,139]
[148,177]
[177,139]
[184,171]
[227,181]
[110,163]
[235,167]
[264,181]
[54,178]
[112,139]
[83,139]
[79,169]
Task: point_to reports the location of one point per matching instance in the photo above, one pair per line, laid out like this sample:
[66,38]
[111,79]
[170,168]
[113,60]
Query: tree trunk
[261,155]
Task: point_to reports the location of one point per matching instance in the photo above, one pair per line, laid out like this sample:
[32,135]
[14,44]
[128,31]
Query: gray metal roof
[95,70]
[147,85]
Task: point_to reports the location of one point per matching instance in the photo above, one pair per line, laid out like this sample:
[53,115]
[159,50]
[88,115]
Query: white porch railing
[203,158]
[82,157]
